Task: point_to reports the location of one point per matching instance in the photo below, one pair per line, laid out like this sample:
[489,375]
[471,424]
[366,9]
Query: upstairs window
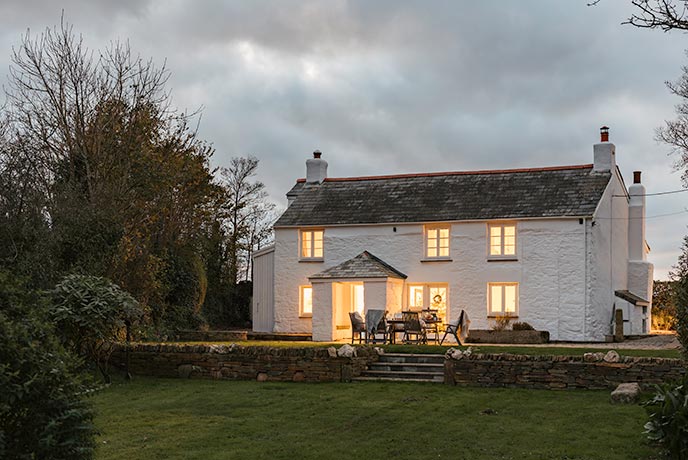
[436,242]
[311,244]
[502,240]
[502,299]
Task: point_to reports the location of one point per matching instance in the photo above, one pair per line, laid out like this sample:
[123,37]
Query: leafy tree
[663,306]
[90,313]
[99,174]
[680,277]
[42,414]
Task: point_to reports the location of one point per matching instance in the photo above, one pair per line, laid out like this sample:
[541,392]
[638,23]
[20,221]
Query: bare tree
[659,14]
[247,208]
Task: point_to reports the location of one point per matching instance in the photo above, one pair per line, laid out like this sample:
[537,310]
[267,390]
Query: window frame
[311,257]
[438,239]
[302,312]
[427,301]
[502,226]
[503,285]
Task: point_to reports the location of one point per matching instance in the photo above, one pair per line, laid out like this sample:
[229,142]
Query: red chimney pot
[636,177]
[604,134]
[317,154]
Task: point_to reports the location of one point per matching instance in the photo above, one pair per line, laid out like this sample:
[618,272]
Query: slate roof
[364,265]
[572,191]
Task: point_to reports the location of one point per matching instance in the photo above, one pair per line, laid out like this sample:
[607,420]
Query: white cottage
[558,247]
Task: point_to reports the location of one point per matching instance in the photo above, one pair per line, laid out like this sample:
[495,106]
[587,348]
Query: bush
[90,312]
[502,323]
[668,425]
[522,326]
[42,414]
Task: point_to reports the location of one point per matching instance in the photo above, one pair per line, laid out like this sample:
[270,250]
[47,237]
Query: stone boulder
[626,393]
[332,352]
[593,357]
[612,357]
[346,351]
[187,370]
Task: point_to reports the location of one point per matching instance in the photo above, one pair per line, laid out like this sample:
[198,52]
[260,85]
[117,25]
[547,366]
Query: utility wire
[656,194]
[648,217]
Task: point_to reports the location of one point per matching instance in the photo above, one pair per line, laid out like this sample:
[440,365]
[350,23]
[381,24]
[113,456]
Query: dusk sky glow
[386,87]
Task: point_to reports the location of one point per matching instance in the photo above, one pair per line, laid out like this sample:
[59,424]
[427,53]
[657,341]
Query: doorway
[347,297]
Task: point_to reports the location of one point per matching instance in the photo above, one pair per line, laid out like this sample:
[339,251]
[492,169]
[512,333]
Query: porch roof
[364,265]
[632,298]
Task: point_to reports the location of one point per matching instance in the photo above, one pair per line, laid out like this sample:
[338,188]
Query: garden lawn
[201,419]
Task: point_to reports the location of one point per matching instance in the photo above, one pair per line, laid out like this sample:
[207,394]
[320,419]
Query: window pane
[444,233]
[318,252]
[432,252]
[509,230]
[444,252]
[495,249]
[510,299]
[307,300]
[509,250]
[318,236]
[496,232]
[416,296]
[496,299]
[306,244]
[432,234]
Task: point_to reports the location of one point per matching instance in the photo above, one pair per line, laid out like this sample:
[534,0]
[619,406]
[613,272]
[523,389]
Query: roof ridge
[455,173]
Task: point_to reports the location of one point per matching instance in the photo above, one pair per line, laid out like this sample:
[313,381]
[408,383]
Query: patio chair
[358,327]
[376,325]
[454,328]
[413,330]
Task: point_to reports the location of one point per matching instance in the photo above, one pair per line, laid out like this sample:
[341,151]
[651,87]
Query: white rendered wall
[550,271]
[608,261]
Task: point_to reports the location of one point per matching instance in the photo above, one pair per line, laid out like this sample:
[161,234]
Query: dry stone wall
[234,362]
[559,372]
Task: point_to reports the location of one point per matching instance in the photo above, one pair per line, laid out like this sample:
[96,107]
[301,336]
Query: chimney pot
[604,134]
[636,177]
[317,154]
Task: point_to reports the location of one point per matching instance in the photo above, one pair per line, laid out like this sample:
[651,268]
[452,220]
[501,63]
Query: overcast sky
[384,87]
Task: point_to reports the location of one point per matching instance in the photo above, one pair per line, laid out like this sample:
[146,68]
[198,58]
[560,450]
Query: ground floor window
[431,296]
[305,301]
[502,299]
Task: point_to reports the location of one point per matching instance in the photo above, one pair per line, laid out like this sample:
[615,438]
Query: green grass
[199,419]
[523,350]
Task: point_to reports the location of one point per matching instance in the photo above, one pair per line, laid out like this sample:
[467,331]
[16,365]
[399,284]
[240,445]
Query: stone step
[392,379]
[411,367]
[411,358]
[407,376]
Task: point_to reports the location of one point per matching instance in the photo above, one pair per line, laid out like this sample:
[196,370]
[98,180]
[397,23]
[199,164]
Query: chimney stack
[604,152]
[636,219]
[316,169]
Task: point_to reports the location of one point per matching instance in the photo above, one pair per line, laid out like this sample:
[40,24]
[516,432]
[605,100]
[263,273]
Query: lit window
[311,244]
[428,296]
[502,239]
[305,301]
[437,242]
[502,299]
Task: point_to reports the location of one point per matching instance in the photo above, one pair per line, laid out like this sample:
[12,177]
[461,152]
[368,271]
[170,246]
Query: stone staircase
[405,367]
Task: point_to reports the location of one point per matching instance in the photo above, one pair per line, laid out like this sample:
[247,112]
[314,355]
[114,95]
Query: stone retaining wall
[234,362]
[515,337]
[211,336]
[559,372]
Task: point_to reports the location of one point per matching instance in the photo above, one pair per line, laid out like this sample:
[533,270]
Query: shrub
[42,414]
[501,323]
[522,326]
[90,312]
[668,424]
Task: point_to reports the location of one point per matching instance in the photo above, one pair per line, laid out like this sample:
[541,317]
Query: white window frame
[438,241]
[491,313]
[311,253]
[501,226]
[302,297]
